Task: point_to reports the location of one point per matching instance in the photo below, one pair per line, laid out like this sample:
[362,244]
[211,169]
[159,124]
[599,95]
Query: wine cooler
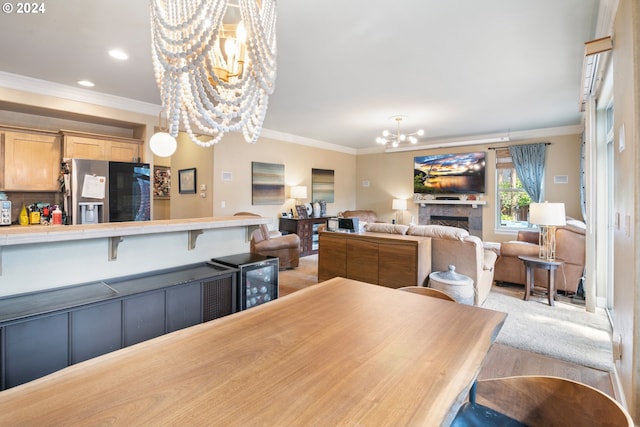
[257,278]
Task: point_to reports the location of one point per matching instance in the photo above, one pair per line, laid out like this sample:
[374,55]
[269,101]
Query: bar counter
[37,257]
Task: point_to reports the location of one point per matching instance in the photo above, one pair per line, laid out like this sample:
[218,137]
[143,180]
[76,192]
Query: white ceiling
[456,68]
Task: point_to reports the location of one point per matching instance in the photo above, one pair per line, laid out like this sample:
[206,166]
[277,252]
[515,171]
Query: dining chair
[539,401]
[430,292]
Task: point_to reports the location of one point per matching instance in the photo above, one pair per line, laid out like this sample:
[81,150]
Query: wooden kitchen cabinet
[30,161]
[97,147]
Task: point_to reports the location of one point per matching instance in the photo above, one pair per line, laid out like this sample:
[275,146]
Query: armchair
[570,247]
[286,248]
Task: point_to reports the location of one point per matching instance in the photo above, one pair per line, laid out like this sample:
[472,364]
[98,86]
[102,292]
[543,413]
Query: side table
[531,263]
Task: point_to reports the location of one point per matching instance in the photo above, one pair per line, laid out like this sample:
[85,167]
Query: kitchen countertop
[29,234]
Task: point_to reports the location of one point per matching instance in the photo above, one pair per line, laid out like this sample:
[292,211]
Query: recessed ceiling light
[118,54]
[86,83]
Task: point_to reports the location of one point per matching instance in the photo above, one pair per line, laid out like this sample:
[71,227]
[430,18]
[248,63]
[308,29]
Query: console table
[390,260]
[306,229]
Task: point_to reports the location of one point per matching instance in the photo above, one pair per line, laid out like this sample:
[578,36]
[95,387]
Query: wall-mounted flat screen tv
[449,173]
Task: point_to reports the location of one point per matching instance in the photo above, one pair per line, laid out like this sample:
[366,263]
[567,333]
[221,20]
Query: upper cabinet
[97,147]
[30,161]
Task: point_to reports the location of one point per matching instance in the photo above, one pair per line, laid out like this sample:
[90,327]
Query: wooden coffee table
[531,263]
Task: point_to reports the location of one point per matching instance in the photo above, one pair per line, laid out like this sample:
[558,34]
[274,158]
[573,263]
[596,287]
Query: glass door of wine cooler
[257,278]
[260,282]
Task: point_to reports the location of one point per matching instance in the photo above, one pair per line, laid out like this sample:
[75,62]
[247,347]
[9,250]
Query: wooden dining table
[339,353]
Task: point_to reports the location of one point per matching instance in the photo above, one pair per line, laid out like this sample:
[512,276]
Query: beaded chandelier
[215,65]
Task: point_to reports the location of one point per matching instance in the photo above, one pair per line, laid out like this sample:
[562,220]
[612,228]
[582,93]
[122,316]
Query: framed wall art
[161,182]
[267,183]
[187,181]
[322,184]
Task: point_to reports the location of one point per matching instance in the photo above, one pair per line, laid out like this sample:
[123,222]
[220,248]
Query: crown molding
[295,139]
[46,88]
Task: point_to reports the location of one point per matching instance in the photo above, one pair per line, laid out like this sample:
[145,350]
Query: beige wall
[385,176]
[626,252]
[233,155]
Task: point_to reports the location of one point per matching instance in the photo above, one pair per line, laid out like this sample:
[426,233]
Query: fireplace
[451,221]
[455,214]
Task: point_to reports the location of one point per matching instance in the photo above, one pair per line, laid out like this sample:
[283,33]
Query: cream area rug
[565,331]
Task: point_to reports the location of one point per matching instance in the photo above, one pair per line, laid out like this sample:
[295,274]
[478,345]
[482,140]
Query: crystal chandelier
[215,65]
[397,138]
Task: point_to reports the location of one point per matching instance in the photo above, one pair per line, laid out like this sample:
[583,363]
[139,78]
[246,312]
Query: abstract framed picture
[187,181]
[267,183]
[322,185]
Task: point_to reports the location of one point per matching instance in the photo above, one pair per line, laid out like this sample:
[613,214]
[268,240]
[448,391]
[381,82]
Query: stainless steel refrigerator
[102,191]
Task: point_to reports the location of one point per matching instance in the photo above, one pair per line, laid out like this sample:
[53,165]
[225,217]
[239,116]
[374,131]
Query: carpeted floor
[565,331]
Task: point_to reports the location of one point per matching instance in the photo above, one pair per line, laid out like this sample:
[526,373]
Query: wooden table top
[339,353]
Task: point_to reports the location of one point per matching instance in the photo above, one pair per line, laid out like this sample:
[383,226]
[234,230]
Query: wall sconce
[399,205]
[547,216]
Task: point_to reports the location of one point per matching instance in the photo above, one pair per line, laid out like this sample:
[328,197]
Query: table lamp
[547,216]
[299,192]
[399,205]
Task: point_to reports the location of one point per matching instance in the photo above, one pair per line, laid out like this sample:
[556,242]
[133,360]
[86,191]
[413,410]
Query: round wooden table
[531,263]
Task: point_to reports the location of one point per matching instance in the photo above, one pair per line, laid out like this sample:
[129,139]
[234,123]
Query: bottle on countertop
[57,216]
[24,217]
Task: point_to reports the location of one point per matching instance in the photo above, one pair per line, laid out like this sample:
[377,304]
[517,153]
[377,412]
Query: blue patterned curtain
[528,161]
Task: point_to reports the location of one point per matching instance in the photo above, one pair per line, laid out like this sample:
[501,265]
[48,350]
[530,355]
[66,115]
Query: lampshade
[547,213]
[299,192]
[162,144]
[399,204]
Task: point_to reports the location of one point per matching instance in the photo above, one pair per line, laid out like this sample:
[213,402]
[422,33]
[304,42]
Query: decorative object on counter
[323,208]
[267,183]
[215,65]
[322,184]
[24,216]
[187,181]
[316,209]
[301,211]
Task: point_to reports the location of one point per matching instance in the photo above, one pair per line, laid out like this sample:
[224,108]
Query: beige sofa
[364,216]
[452,246]
[570,247]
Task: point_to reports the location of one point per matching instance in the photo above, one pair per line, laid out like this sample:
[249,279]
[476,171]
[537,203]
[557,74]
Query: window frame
[504,162]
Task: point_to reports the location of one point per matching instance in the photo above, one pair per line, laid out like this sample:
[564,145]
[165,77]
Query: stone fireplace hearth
[467,215]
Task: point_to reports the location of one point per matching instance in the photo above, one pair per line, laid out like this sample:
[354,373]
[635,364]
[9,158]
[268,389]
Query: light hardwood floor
[502,360]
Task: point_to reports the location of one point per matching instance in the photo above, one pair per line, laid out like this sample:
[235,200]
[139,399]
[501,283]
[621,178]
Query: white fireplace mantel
[473,203]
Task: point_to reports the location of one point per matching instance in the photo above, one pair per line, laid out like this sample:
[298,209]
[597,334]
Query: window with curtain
[513,200]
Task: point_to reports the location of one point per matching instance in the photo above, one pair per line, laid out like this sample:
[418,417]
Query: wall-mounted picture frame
[322,185]
[267,183]
[161,182]
[187,181]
